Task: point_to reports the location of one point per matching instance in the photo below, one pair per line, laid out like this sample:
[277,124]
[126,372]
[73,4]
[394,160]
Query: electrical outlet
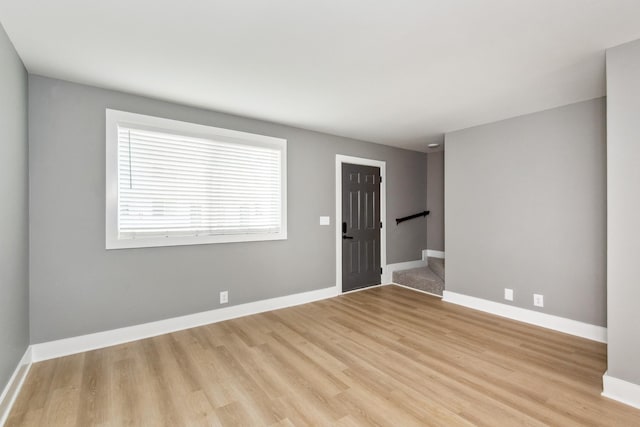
[224,297]
[538,300]
[508,294]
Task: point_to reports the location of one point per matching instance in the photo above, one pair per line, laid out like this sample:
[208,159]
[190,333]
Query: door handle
[344,232]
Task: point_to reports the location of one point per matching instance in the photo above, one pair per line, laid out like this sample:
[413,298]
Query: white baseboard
[432,254]
[13,387]
[416,290]
[549,321]
[387,273]
[73,345]
[621,390]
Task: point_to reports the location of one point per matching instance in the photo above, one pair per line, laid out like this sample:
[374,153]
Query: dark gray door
[360,226]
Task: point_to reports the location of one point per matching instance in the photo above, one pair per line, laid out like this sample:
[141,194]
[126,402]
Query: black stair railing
[407,218]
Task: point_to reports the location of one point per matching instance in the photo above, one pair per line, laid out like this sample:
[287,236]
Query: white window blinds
[173,186]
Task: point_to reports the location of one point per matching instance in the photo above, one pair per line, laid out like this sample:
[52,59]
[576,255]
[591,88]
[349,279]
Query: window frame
[116,118]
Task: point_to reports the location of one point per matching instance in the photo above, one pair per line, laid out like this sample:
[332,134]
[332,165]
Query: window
[176,183]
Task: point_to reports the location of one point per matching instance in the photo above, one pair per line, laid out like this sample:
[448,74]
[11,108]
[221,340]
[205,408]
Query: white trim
[621,390]
[13,387]
[387,272]
[432,254]
[416,290]
[67,346]
[115,118]
[549,321]
[340,159]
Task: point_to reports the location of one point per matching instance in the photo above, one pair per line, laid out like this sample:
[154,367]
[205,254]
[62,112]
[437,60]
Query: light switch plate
[325,220]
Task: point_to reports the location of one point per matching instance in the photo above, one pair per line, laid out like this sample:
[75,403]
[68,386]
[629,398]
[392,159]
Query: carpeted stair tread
[437,266]
[422,278]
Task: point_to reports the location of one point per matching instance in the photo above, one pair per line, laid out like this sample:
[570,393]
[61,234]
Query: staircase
[428,279]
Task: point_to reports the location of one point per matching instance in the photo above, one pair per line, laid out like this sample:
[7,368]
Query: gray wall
[435,200]
[14,215]
[623,206]
[525,209]
[78,287]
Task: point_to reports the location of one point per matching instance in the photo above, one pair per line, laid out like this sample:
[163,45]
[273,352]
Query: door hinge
[380,270]
[381,224]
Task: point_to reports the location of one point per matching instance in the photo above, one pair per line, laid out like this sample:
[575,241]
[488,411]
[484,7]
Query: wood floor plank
[382,356]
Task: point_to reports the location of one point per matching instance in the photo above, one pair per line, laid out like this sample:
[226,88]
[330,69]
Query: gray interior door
[360,226]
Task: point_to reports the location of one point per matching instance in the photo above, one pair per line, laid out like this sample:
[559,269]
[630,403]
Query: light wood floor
[384,356]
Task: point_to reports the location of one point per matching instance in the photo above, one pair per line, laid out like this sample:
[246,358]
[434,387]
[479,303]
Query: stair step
[422,278]
[437,265]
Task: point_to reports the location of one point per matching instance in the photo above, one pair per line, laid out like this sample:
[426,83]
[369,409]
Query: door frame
[340,159]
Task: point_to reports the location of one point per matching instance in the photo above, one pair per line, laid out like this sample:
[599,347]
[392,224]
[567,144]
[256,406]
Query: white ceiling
[398,72]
